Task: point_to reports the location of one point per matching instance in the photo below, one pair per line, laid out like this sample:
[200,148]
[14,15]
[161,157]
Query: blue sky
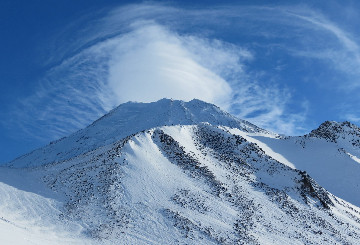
[286,65]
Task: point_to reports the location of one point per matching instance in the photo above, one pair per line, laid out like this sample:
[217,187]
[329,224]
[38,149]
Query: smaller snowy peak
[334,131]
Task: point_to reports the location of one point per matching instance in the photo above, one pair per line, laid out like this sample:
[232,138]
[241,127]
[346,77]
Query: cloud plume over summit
[145,52]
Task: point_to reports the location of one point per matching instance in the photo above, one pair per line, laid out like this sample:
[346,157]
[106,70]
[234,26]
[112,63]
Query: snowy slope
[330,154]
[127,119]
[30,213]
[204,178]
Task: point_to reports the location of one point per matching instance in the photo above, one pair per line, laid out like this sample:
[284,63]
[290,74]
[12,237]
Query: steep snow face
[199,184]
[130,118]
[330,154]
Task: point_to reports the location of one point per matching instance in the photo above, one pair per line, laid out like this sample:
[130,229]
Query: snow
[166,203]
[355,158]
[263,146]
[29,212]
[331,168]
[172,172]
[330,163]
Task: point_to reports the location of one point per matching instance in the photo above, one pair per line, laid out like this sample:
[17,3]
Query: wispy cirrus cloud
[145,52]
[336,46]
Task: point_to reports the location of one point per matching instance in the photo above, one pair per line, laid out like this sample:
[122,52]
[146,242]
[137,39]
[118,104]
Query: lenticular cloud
[151,63]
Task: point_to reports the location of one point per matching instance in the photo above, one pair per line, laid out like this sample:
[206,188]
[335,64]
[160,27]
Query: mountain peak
[130,118]
[332,130]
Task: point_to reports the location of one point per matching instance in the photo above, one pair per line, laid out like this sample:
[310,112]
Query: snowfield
[173,172]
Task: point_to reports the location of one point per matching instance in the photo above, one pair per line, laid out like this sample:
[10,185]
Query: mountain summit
[130,118]
[174,172]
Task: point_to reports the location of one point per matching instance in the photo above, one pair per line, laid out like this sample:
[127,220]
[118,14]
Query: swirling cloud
[146,52]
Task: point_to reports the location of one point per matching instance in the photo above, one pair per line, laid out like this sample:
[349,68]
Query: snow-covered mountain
[173,172]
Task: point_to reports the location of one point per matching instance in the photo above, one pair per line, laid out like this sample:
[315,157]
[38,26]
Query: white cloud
[151,63]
